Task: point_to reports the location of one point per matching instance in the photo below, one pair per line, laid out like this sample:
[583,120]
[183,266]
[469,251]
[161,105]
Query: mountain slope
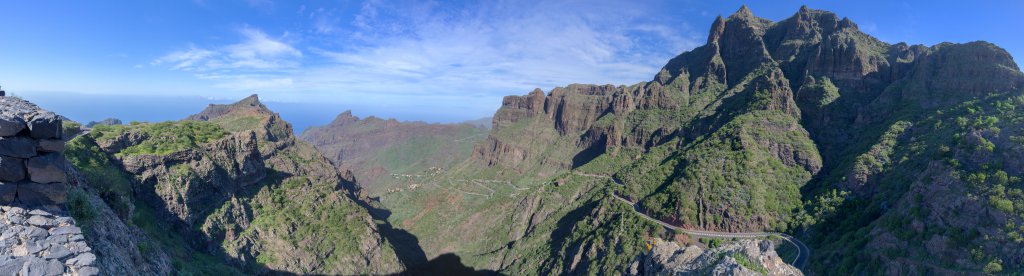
[233,184]
[806,125]
[382,152]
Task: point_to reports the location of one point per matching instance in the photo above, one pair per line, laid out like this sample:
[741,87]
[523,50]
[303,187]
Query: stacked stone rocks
[36,242]
[32,165]
[36,235]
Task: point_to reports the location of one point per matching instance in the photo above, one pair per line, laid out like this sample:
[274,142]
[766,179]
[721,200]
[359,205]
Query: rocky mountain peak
[743,12]
[716,30]
[251,100]
[249,106]
[345,118]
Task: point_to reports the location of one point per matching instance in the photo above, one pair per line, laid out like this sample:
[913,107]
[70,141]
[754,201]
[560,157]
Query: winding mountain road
[802,254]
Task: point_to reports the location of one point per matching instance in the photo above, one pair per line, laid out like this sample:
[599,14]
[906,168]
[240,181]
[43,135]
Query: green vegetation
[113,185]
[184,259]
[712,242]
[80,207]
[70,128]
[993,267]
[239,123]
[748,263]
[162,138]
[729,167]
[973,143]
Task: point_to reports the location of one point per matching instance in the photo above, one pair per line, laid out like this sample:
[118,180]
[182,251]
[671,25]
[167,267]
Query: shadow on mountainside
[410,253]
[447,264]
[200,243]
[562,231]
[407,245]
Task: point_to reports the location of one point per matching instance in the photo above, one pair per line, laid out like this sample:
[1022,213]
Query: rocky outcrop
[248,106]
[570,111]
[254,197]
[121,248]
[742,257]
[771,124]
[200,177]
[815,81]
[31,162]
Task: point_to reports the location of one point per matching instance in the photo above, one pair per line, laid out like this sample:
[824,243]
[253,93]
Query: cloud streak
[474,53]
[499,47]
[256,51]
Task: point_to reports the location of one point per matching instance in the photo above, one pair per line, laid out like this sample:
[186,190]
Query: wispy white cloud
[256,51]
[258,61]
[475,53]
[497,48]
[186,59]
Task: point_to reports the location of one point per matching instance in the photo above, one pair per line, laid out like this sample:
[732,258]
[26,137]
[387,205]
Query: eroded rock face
[668,258]
[256,197]
[568,111]
[814,79]
[200,177]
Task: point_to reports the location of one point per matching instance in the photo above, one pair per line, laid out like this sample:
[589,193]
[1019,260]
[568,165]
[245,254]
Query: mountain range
[803,146]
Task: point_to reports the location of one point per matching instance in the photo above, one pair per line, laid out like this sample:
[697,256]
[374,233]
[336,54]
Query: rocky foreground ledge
[742,257]
[37,237]
[37,242]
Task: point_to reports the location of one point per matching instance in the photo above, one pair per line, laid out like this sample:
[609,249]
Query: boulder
[42,267]
[20,147]
[66,230]
[35,194]
[7,192]
[47,168]
[10,125]
[11,264]
[41,221]
[51,145]
[84,259]
[45,125]
[12,169]
[88,271]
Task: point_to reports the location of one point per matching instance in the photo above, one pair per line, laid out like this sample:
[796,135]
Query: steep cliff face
[806,125]
[382,153]
[746,257]
[234,185]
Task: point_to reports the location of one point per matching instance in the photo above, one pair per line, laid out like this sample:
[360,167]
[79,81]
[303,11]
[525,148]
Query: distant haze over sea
[89,107]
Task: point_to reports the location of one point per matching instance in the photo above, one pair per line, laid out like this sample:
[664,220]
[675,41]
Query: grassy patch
[748,263]
[111,184]
[80,207]
[162,138]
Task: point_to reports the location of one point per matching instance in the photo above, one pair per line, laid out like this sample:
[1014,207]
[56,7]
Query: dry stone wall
[37,237]
[32,165]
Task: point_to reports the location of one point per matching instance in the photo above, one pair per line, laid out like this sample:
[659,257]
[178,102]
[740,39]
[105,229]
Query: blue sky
[415,60]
